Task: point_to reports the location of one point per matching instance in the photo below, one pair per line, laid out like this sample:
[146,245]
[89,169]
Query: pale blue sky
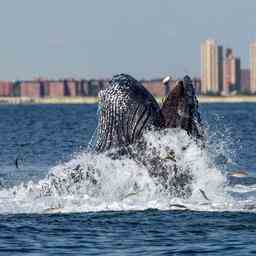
[98,38]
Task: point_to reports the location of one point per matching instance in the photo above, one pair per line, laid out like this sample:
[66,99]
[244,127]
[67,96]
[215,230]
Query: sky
[99,38]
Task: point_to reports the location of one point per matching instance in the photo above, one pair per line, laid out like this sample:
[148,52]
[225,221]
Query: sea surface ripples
[39,139]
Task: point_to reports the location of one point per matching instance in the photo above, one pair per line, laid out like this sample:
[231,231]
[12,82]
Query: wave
[99,182]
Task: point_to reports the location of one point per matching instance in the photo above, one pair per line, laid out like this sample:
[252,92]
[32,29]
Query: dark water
[37,138]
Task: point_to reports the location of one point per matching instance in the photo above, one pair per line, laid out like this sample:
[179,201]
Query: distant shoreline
[49,100]
[227,99]
[94,100]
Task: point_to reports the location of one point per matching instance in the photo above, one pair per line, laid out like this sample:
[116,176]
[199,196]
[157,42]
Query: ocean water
[45,211]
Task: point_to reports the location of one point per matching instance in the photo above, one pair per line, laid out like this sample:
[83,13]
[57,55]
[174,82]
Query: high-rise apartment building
[211,67]
[232,72]
[253,67]
[245,80]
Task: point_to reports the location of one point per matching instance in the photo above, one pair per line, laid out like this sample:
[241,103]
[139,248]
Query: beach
[94,100]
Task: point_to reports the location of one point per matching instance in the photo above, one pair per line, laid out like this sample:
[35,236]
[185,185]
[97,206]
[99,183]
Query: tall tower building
[245,80]
[211,67]
[253,67]
[232,72]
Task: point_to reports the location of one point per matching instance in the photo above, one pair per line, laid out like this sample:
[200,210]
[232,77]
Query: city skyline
[222,73]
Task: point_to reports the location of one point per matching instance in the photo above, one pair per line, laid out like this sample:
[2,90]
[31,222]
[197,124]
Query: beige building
[232,73]
[253,67]
[211,67]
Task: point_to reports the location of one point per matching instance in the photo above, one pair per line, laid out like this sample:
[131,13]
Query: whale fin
[126,109]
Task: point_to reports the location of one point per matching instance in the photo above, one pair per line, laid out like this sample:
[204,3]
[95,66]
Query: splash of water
[98,182]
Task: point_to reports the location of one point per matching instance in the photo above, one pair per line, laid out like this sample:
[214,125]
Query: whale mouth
[180,109]
[126,110]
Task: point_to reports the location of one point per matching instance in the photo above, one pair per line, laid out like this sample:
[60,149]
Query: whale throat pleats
[126,109]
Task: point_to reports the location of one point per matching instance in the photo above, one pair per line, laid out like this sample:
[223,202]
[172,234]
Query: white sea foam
[125,184]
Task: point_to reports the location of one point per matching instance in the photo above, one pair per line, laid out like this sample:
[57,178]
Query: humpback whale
[127,110]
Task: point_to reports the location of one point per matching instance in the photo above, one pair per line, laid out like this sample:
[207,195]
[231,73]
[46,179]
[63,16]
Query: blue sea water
[40,139]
